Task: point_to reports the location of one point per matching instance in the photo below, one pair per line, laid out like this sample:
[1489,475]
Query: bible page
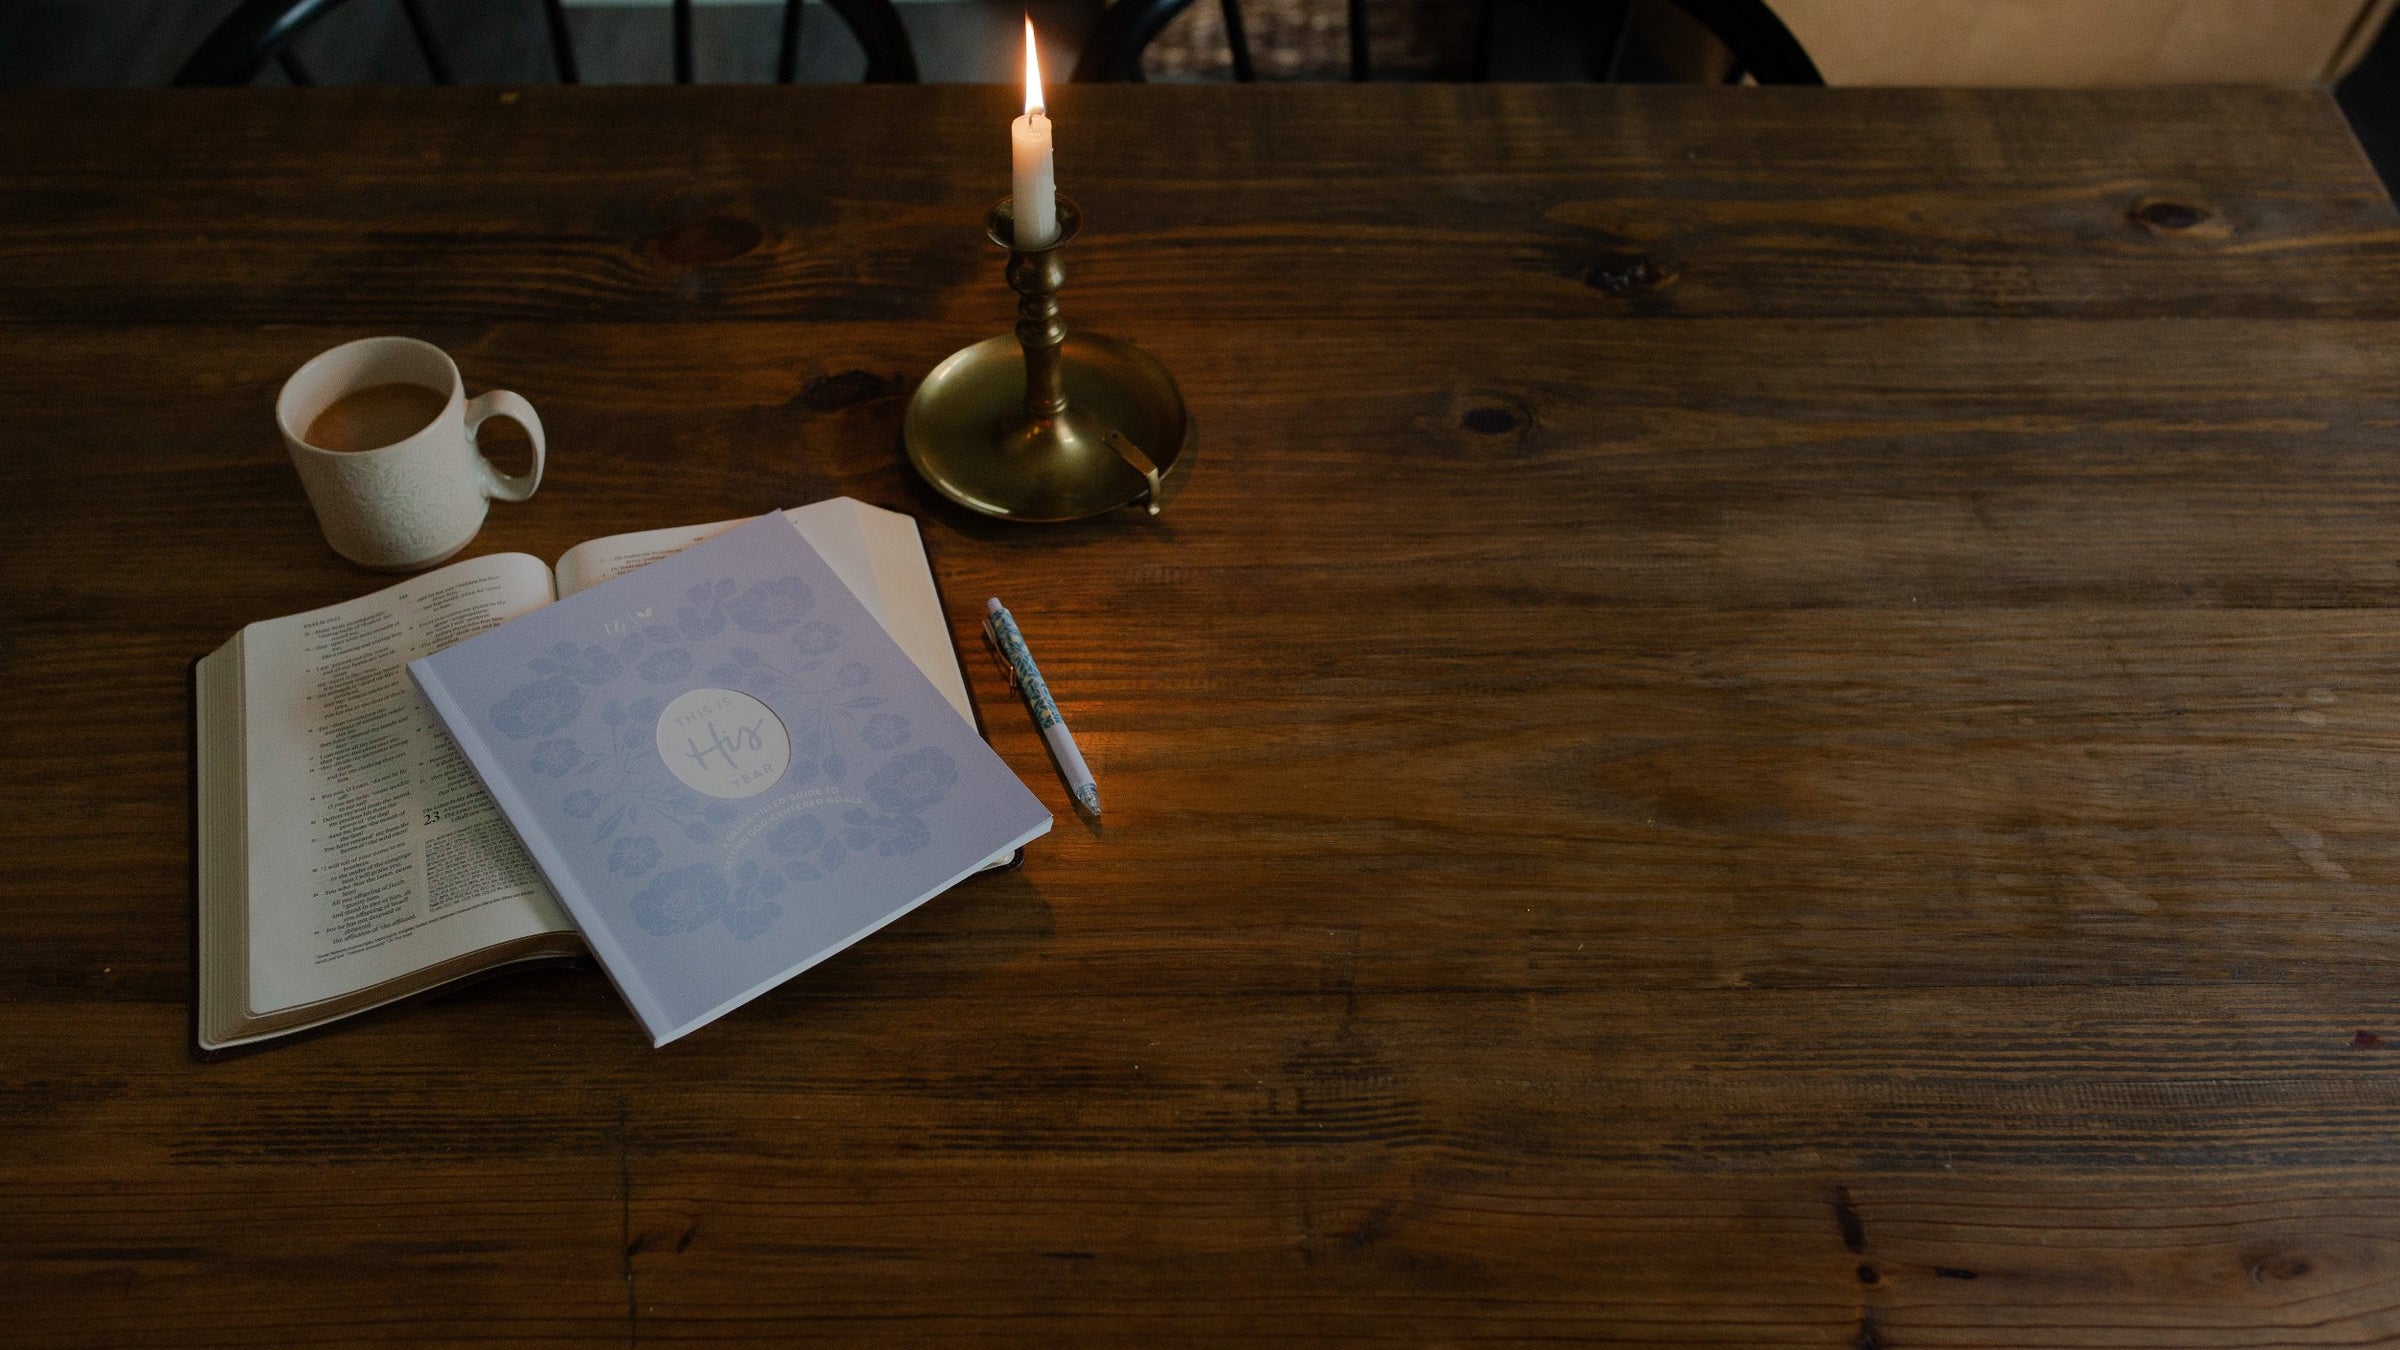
[374,851]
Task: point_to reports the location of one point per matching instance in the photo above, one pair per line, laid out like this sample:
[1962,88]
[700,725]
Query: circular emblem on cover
[724,743]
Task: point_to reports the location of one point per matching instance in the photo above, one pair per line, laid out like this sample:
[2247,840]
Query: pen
[1027,677]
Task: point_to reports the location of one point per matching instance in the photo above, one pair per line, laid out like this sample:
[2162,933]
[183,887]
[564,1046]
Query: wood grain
[429,206]
[1854,812]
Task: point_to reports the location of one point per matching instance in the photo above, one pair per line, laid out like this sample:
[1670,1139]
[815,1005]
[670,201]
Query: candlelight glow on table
[1044,426]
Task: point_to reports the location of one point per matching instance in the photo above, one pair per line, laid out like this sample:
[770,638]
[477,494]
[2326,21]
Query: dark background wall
[137,43]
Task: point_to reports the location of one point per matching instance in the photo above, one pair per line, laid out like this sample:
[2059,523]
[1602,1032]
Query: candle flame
[1033,74]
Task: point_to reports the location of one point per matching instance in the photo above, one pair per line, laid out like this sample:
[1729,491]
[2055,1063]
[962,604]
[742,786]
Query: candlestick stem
[1036,276]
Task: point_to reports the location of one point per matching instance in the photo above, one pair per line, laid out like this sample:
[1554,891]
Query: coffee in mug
[383,436]
[375,416]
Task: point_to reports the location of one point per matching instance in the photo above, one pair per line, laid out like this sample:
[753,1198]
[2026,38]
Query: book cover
[725,768]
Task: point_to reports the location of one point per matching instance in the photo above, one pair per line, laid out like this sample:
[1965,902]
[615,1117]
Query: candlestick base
[1048,425]
[969,435]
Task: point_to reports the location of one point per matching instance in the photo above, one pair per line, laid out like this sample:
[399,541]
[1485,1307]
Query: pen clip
[991,637]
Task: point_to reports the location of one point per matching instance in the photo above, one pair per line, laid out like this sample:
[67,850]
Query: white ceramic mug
[415,502]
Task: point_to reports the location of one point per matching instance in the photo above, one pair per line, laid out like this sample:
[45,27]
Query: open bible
[347,855]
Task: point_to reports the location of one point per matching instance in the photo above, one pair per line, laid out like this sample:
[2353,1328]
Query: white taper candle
[1033,185]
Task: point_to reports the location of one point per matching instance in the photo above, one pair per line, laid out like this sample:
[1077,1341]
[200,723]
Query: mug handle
[501,403]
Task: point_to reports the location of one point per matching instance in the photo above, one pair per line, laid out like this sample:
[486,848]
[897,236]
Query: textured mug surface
[417,501]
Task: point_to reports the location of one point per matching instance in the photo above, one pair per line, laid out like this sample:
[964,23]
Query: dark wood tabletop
[1771,719]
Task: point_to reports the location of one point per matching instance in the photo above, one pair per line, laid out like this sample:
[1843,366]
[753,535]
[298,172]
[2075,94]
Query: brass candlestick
[1049,425]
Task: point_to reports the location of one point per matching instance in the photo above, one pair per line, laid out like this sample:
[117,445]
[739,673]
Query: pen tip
[1089,799]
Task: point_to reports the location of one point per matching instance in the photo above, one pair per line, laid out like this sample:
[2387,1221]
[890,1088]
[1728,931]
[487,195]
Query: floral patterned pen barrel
[1001,628]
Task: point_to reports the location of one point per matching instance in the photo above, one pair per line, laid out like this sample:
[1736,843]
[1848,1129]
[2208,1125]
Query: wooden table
[1771,720]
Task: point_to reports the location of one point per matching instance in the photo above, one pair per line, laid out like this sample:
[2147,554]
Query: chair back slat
[787,44]
[876,24]
[1763,48]
[261,31]
[247,38]
[435,64]
[1237,39]
[562,47]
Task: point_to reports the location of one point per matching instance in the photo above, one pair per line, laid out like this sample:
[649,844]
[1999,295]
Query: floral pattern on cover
[611,778]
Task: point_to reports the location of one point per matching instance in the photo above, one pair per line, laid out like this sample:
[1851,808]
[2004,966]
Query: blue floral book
[725,768]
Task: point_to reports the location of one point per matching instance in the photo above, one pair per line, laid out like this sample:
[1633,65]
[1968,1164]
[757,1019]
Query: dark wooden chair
[262,31]
[1763,48]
